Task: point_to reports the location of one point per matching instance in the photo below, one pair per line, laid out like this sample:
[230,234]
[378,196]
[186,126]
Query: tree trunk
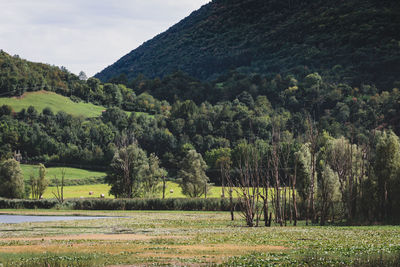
[163,188]
[270,219]
[231,204]
[223,182]
[312,186]
[290,201]
[266,211]
[284,206]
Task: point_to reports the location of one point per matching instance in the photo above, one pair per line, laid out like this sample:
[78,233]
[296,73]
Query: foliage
[328,192]
[40,183]
[11,179]
[387,171]
[194,181]
[152,178]
[199,204]
[128,168]
[133,174]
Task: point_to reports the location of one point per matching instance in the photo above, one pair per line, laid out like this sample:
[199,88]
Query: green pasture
[55,102]
[77,191]
[173,190]
[98,189]
[181,238]
[71,174]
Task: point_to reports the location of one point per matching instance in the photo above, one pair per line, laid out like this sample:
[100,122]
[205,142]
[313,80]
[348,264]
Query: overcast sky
[85,35]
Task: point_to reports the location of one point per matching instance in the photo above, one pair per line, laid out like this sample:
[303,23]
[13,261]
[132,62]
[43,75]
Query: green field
[43,99]
[78,191]
[98,189]
[72,175]
[177,238]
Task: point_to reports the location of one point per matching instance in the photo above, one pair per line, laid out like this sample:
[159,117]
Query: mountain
[348,41]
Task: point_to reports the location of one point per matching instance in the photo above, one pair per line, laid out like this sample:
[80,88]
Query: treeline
[317,177]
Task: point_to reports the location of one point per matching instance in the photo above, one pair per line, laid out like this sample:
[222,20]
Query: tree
[11,179]
[387,169]
[151,178]
[59,195]
[194,181]
[39,184]
[303,173]
[343,158]
[312,136]
[328,191]
[248,163]
[82,76]
[128,167]
[220,158]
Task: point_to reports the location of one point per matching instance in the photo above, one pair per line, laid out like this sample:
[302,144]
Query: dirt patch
[147,252]
[230,248]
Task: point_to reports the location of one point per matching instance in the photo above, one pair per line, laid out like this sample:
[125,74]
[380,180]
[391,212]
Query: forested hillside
[18,76]
[345,41]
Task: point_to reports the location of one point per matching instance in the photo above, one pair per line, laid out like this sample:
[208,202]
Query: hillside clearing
[42,99]
[73,176]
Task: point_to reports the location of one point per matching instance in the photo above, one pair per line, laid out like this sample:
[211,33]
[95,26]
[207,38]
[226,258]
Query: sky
[85,35]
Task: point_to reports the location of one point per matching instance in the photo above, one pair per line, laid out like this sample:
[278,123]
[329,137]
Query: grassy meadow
[51,172]
[77,191]
[43,99]
[190,238]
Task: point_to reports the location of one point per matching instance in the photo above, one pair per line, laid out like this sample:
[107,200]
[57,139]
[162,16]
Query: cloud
[85,35]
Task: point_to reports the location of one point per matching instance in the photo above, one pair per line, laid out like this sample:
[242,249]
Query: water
[33,218]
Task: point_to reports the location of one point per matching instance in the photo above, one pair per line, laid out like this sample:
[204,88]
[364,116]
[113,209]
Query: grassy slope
[70,173]
[43,99]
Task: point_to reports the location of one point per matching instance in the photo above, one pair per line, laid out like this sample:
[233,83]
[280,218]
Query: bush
[27,203]
[189,204]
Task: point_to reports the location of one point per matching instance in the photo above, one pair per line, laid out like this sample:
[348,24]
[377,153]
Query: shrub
[189,204]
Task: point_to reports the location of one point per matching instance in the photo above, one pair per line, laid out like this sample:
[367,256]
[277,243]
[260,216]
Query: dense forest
[352,41]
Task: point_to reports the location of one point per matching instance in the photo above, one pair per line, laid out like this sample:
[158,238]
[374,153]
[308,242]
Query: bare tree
[59,195]
[286,155]
[293,182]
[264,194]
[312,136]
[247,184]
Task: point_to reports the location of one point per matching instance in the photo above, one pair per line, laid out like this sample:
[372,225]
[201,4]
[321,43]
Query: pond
[34,218]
